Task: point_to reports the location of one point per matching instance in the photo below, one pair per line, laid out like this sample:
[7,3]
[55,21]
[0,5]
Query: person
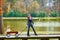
[30,24]
[8,29]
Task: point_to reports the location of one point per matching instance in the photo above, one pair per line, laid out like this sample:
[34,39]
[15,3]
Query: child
[8,28]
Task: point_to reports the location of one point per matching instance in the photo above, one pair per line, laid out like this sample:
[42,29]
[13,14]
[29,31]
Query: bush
[42,14]
[14,13]
[33,14]
[59,13]
[54,14]
[5,14]
[39,14]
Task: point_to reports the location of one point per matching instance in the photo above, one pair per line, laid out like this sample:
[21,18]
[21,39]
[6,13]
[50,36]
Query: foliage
[59,13]
[21,9]
[42,14]
[14,13]
[17,13]
[5,14]
[33,14]
[35,5]
[12,1]
[54,14]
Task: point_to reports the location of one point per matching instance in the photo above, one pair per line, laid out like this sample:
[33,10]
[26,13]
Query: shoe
[35,34]
[28,35]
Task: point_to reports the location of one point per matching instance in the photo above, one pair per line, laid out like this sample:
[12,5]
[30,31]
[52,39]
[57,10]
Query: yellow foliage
[25,11]
[30,8]
[35,4]
[22,7]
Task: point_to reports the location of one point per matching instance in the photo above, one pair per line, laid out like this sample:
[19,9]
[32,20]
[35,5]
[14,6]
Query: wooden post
[24,39]
[59,38]
[2,39]
[1,12]
[44,38]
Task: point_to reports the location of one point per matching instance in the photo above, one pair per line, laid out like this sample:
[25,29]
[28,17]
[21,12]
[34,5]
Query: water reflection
[47,24]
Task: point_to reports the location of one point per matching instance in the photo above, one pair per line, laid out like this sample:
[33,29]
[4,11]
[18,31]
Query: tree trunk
[1,25]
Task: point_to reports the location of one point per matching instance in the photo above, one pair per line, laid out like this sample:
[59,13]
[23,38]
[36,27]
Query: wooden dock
[25,37]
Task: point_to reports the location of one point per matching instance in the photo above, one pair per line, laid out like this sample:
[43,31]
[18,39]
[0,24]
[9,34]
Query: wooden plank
[31,37]
[25,37]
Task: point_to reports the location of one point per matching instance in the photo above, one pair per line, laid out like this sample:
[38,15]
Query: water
[47,24]
[19,24]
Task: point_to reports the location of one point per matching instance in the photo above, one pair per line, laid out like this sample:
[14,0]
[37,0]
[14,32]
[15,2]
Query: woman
[30,24]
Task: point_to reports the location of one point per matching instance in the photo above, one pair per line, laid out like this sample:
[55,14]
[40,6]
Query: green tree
[54,14]
[33,14]
[42,14]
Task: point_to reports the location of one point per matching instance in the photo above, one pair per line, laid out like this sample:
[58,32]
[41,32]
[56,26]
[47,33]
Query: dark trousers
[30,25]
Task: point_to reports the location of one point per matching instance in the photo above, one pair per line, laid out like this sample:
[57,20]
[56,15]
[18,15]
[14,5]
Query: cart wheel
[16,35]
[8,35]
